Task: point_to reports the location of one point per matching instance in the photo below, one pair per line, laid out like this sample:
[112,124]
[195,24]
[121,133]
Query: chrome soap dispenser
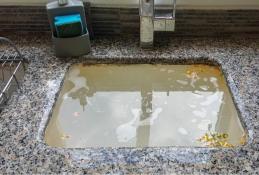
[69,28]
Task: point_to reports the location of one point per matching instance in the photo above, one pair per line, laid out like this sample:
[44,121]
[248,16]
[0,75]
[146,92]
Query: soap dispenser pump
[69,28]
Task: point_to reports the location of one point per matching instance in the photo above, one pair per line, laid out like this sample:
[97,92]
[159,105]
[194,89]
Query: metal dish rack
[12,68]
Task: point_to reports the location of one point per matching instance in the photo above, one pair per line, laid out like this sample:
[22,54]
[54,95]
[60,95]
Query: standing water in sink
[144,106]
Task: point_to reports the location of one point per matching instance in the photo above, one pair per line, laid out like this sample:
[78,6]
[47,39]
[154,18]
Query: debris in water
[216,140]
[76,114]
[65,137]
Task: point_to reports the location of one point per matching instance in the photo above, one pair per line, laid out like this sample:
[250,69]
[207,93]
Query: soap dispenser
[69,28]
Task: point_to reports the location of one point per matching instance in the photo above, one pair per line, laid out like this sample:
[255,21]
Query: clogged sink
[142,105]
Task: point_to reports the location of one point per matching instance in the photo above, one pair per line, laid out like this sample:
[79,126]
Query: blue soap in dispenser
[69,29]
[68,26]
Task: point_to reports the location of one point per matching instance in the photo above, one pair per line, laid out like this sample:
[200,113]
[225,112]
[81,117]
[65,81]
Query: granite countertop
[22,123]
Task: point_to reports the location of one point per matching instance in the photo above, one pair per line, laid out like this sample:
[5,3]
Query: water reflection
[142,105]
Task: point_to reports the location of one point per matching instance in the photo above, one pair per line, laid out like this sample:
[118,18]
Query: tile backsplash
[119,21]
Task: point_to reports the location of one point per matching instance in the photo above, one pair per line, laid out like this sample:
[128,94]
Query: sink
[144,105]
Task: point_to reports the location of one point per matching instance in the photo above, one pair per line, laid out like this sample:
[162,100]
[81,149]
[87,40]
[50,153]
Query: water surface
[142,105]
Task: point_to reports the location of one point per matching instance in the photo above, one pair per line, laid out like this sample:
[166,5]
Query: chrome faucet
[152,20]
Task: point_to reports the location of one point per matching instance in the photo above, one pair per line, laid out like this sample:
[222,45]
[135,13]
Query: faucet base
[149,45]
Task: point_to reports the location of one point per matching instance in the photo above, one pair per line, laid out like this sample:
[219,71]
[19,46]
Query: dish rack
[12,69]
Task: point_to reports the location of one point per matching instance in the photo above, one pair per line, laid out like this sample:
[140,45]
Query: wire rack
[12,68]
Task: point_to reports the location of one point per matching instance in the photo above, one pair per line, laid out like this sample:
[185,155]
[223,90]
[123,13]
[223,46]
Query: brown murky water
[144,105]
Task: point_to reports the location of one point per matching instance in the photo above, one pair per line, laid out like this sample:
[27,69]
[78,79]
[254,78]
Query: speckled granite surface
[22,123]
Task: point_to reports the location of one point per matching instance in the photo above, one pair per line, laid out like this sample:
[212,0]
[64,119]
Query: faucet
[152,20]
